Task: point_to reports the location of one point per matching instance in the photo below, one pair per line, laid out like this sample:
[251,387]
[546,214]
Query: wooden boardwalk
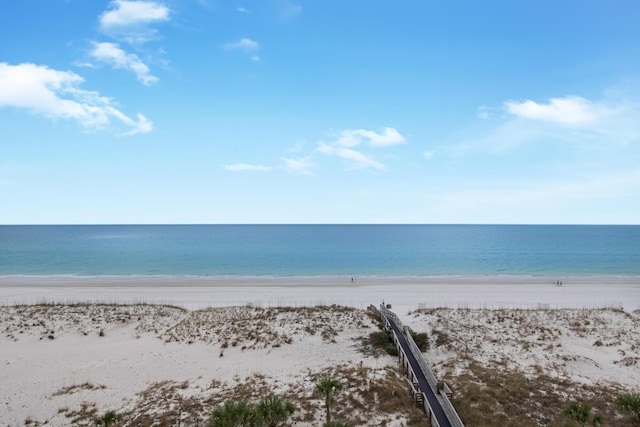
[431,394]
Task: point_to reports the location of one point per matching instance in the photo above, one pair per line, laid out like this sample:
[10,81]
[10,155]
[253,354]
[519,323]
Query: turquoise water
[320,250]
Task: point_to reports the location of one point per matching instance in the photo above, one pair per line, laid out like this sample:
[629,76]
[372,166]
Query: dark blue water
[320,250]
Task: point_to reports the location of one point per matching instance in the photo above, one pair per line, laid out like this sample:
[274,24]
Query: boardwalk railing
[440,387]
[445,414]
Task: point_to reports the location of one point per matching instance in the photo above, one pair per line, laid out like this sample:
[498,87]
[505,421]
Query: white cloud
[111,54]
[356,157]
[242,10]
[590,124]
[84,64]
[244,167]
[245,45]
[130,20]
[428,154]
[570,110]
[386,138]
[125,13]
[343,146]
[302,165]
[55,94]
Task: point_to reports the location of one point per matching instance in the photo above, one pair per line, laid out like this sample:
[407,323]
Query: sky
[325,111]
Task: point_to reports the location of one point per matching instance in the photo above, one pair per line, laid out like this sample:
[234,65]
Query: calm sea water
[320,250]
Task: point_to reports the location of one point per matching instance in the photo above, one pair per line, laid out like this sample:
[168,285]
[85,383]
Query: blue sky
[332,111]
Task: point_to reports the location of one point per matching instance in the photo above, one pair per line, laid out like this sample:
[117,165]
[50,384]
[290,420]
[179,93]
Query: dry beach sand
[74,348]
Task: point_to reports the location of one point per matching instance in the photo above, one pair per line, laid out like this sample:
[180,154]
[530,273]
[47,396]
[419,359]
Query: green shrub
[421,339]
[378,339]
[110,418]
[270,412]
[630,403]
[381,340]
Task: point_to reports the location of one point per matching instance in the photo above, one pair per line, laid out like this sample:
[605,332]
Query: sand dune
[68,363]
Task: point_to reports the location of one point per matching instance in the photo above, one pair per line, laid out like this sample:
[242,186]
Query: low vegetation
[327,388]
[630,403]
[421,339]
[109,419]
[511,368]
[381,341]
[506,367]
[581,414]
[362,395]
[356,395]
[270,412]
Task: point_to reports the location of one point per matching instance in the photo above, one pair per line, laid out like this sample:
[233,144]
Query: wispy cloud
[570,110]
[303,165]
[244,167]
[357,158]
[386,138]
[575,120]
[347,140]
[242,10]
[113,55]
[342,147]
[245,45]
[130,20]
[56,95]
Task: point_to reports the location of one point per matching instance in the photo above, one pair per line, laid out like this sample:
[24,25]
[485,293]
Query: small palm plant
[234,414]
[327,388]
[273,411]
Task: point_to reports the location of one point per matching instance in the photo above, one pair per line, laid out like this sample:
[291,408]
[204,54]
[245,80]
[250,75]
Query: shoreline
[316,280]
[405,294]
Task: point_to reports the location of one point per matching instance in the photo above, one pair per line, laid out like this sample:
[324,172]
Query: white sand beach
[405,294]
[65,361]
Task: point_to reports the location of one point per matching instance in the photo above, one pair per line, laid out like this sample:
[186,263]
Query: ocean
[241,251]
